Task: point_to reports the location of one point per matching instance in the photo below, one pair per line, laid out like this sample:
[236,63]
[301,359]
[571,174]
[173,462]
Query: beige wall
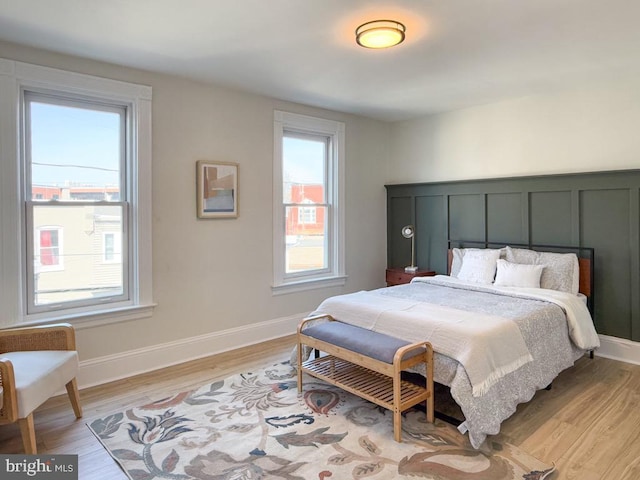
[215,275]
[590,128]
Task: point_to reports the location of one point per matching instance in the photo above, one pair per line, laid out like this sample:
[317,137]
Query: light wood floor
[588,424]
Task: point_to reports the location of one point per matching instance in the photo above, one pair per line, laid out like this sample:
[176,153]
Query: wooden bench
[368,364]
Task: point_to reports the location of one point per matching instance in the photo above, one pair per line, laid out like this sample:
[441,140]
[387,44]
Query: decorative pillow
[458,257]
[479,266]
[561,271]
[517,274]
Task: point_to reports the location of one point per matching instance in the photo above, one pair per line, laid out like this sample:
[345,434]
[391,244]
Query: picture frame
[217,189]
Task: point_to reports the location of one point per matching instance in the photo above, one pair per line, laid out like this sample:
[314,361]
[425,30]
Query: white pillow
[479,266]
[458,257]
[517,275]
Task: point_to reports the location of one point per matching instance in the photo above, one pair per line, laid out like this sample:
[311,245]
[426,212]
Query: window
[112,247]
[83,207]
[307,215]
[76,149]
[48,249]
[308,211]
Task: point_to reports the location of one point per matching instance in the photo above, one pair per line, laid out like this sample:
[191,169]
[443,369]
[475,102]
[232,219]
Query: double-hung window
[308,202]
[81,205]
[75,148]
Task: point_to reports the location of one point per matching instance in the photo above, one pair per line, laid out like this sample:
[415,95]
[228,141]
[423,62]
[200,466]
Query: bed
[503,324]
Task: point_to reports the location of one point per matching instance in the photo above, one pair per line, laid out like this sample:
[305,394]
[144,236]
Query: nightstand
[397,276]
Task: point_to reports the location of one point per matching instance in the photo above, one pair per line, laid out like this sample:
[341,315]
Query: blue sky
[303,160]
[74,145]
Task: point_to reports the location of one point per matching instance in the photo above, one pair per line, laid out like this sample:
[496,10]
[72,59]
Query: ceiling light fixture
[380,34]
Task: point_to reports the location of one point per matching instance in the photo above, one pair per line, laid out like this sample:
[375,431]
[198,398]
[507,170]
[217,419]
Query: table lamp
[408,231]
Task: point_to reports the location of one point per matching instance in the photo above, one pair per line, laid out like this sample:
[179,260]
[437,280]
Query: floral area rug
[255,426]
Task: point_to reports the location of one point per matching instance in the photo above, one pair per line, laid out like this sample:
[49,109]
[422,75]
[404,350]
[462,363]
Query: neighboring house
[305,232]
[84,259]
[306,220]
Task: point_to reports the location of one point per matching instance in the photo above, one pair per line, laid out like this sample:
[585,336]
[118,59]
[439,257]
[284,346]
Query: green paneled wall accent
[550,218]
[429,222]
[607,223]
[505,220]
[600,210]
[466,216]
[399,214]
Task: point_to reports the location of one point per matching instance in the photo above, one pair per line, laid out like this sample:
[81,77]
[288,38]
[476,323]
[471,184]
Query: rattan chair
[35,363]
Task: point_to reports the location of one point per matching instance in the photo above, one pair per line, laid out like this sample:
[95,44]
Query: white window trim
[335,276]
[15,76]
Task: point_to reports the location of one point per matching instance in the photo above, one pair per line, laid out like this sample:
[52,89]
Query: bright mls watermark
[48,467]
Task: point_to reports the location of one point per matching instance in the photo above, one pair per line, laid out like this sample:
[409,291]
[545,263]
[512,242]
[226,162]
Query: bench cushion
[360,340]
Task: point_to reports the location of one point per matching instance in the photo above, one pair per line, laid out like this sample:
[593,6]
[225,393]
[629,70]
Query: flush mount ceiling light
[380,34]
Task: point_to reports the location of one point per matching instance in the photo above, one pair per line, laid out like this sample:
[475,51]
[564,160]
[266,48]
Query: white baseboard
[126,364]
[619,349]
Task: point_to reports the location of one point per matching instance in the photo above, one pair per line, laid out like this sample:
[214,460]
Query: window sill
[96,318]
[303,285]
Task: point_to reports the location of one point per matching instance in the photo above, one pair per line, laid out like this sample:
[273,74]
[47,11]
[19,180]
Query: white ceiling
[458,53]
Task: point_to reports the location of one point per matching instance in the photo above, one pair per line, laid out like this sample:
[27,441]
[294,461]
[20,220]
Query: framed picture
[217,189]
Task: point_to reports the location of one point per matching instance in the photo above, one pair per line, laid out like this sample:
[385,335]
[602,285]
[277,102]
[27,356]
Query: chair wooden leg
[74,396]
[28,434]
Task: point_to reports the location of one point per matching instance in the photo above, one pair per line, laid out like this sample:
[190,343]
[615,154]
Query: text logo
[45,467]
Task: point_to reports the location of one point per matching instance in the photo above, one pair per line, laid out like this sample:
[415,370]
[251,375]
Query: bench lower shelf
[365,383]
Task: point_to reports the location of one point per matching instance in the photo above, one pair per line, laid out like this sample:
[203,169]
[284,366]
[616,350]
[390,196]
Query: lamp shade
[380,34]
[408,231]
